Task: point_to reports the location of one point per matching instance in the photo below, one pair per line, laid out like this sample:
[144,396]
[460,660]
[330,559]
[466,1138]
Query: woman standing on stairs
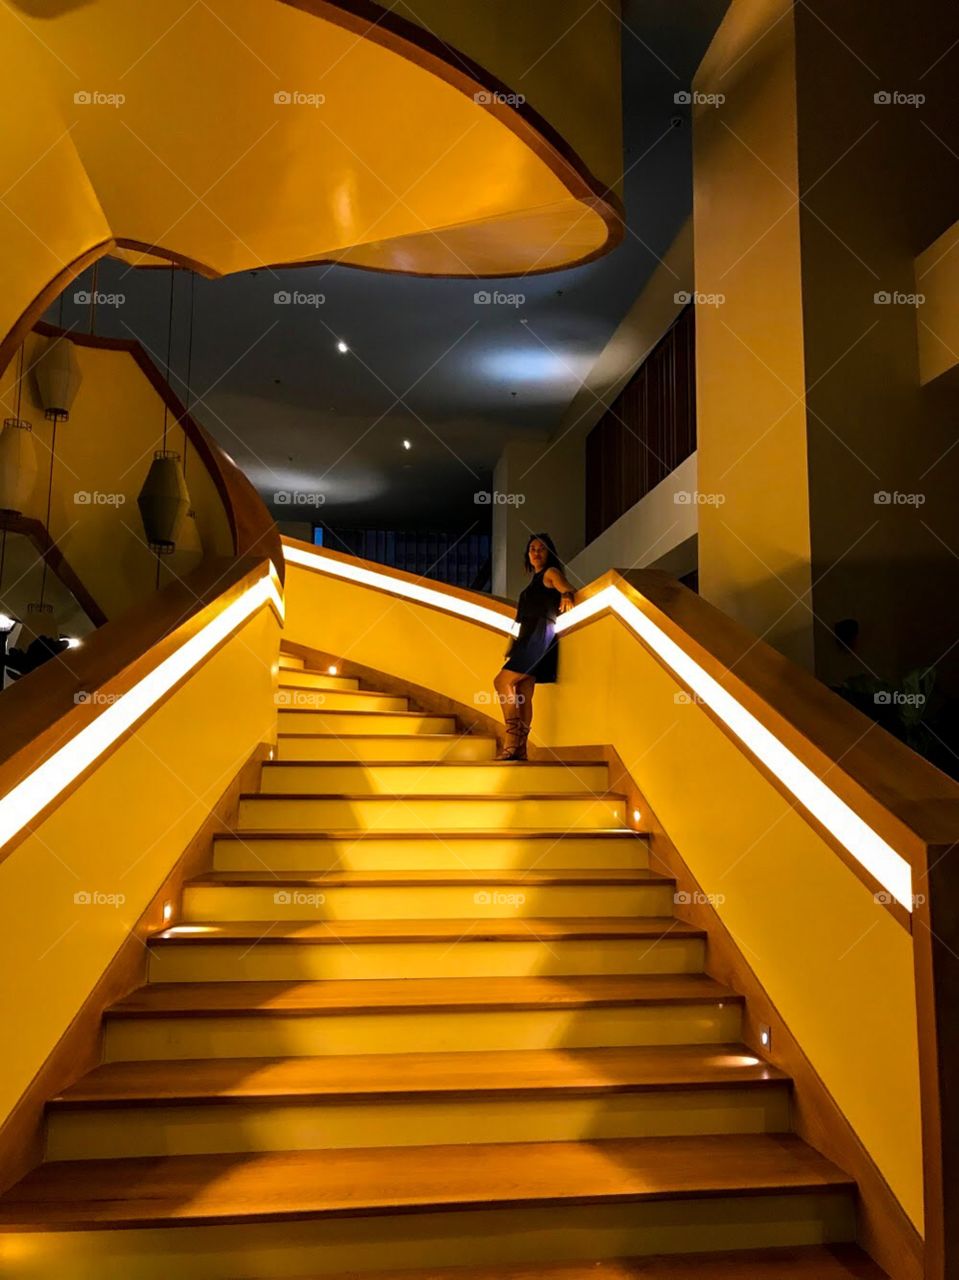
[533,654]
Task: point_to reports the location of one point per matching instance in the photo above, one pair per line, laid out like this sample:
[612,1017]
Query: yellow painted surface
[115,838]
[937,279]
[754,536]
[268,134]
[838,967]
[103,453]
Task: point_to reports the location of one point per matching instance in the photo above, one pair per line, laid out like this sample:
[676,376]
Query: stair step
[428,851]
[275,1019]
[390,895]
[295,951]
[286,1186]
[291,695]
[344,723]
[298,678]
[290,662]
[321,747]
[389,778]
[837,1262]
[193,1108]
[573,810]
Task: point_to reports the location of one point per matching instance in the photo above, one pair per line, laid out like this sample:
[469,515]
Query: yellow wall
[106,448]
[174,766]
[754,549]
[837,965]
[937,278]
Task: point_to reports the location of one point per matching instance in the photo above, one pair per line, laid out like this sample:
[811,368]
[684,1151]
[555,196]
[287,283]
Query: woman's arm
[553,578]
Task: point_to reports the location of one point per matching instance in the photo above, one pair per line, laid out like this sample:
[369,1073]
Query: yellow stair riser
[104,1133]
[203,903]
[336,700]
[316,680]
[370,853]
[236,962]
[276,1036]
[401,813]
[319,1247]
[413,747]
[344,723]
[425,778]
[290,663]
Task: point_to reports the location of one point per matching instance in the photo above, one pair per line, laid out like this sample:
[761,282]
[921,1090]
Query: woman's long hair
[552,560]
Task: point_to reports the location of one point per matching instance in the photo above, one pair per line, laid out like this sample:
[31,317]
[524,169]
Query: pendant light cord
[189,364]
[53,456]
[169,355]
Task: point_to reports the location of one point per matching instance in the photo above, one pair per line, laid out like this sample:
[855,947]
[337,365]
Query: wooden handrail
[252,527]
[44,710]
[48,550]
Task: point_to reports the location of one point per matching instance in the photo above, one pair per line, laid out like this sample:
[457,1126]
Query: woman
[532,655]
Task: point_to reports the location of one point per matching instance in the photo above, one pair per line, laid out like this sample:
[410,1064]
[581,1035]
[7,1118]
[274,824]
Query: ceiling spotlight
[341,347]
[407,444]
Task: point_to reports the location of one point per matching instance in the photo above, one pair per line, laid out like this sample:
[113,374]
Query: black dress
[535,650]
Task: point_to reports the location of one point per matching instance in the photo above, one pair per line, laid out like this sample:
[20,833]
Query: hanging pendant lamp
[58,376]
[18,457]
[164,499]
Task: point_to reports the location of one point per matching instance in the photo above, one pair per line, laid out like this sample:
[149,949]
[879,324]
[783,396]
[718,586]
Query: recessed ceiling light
[341,347]
[407,444]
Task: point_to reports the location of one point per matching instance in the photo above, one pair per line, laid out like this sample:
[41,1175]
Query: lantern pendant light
[18,457]
[164,499]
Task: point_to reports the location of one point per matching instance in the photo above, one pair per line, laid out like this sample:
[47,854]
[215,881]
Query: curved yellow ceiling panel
[232,134]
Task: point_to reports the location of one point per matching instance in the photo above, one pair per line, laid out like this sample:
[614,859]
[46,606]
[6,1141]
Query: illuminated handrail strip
[887,867]
[399,587]
[31,796]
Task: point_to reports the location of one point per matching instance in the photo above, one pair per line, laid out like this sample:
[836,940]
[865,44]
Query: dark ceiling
[427,363]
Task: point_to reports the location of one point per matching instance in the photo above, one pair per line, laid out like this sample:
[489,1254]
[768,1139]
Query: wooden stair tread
[418,879]
[454,833]
[393,737]
[368,1076]
[583,793]
[511,765]
[180,1190]
[392,995]
[836,1262]
[348,711]
[526,929]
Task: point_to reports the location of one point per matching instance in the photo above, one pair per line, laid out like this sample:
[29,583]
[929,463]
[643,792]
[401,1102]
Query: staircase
[426,1011]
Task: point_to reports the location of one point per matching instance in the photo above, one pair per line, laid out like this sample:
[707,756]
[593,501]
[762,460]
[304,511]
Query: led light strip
[48,780]
[880,859]
[398,587]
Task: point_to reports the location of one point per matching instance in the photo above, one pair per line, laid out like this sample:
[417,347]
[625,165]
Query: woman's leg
[524,700]
[506,685]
